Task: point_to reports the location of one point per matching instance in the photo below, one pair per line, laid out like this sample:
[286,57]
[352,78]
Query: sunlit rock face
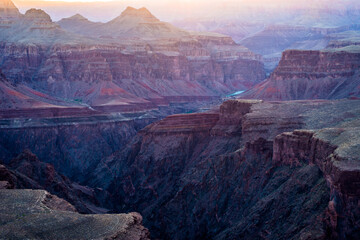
[8,10]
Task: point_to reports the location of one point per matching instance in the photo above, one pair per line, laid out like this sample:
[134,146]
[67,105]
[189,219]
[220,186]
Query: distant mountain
[132,23]
[8,10]
[35,26]
[270,30]
[275,39]
[132,62]
[78,24]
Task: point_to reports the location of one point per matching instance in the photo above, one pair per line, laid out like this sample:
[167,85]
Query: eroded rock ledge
[35,214]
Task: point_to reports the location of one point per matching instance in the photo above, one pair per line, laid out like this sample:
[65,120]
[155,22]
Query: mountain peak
[141,12]
[8,9]
[7,4]
[37,15]
[77,17]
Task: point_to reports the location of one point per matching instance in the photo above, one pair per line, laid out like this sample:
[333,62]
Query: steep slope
[20,101]
[27,172]
[220,175]
[328,74]
[8,11]
[13,99]
[25,212]
[76,144]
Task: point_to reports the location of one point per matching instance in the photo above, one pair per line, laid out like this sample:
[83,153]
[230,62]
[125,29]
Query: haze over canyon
[180,120]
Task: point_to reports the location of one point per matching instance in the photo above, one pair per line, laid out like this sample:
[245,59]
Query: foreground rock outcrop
[36,214]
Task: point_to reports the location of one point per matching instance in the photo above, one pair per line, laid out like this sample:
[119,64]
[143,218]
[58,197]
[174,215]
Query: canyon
[130,129]
[249,169]
[244,172]
[133,63]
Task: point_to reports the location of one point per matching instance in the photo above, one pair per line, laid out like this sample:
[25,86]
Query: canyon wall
[222,174]
[91,74]
[219,174]
[133,62]
[26,171]
[73,146]
[327,74]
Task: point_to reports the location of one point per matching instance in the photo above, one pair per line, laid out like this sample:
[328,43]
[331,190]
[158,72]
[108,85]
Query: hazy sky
[168,10]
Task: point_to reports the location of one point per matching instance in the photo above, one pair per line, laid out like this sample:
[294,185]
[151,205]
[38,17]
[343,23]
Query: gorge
[138,129]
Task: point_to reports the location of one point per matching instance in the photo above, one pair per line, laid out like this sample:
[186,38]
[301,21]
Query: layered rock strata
[131,63]
[328,74]
[228,178]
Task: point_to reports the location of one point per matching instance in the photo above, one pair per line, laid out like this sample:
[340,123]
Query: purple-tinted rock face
[107,75]
[27,172]
[85,99]
[226,175]
[330,74]
[134,61]
[73,146]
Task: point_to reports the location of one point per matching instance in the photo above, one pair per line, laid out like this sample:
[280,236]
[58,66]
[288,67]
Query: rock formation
[93,103]
[36,214]
[226,173]
[8,11]
[301,74]
[27,172]
[231,175]
[132,62]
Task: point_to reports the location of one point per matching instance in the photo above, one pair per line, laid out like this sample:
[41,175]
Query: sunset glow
[105,10]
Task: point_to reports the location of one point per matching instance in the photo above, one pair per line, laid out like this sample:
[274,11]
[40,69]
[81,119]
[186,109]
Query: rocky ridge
[24,212]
